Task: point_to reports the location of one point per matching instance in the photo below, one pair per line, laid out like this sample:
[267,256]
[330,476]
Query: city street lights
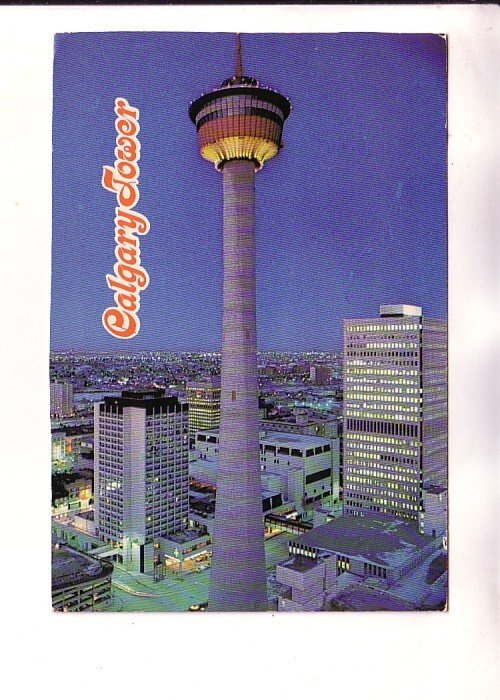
[176,554]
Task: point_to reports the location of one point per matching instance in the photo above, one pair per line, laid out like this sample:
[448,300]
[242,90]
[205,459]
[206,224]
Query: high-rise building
[61,400]
[58,440]
[141,471]
[204,404]
[239,127]
[320,374]
[395,412]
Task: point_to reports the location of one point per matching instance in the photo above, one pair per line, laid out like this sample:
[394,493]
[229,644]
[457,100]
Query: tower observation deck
[239,128]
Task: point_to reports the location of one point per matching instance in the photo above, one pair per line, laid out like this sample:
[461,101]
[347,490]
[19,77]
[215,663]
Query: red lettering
[113,283]
[127,127]
[126,255]
[127,302]
[123,108]
[120,323]
[133,220]
[122,179]
[135,275]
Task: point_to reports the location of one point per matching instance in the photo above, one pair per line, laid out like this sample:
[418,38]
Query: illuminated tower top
[239,120]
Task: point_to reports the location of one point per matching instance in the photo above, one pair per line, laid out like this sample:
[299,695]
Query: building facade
[61,400]
[302,468]
[141,472]
[58,446]
[79,582]
[375,558]
[204,404]
[320,374]
[395,412]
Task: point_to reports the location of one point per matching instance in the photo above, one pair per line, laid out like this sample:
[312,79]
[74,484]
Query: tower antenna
[239,67]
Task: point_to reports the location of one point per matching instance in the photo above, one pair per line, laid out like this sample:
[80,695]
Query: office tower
[395,412]
[61,400]
[141,471]
[239,127]
[204,404]
[58,440]
[320,375]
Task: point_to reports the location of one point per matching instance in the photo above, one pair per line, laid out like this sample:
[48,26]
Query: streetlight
[176,554]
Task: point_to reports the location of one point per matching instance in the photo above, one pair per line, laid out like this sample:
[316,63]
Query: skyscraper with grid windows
[141,472]
[204,404]
[395,414]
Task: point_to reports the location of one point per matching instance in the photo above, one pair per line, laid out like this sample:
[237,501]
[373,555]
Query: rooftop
[86,514]
[297,440]
[240,84]
[300,563]
[378,539]
[184,536]
[71,567]
[204,383]
[281,439]
[400,310]
[432,488]
[152,400]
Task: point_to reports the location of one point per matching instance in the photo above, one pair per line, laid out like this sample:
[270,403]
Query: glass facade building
[204,404]
[395,412]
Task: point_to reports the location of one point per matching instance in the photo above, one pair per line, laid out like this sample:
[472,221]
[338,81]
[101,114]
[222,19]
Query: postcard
[248,323]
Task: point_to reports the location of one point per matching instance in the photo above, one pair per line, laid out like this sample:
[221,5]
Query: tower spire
[239,128]
[239,67]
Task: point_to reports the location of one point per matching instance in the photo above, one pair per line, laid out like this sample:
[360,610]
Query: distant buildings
[395,416]
[305,422]
[204,404]
[61,400]
[58,447]
[320,374]
[70,493]
[141,472]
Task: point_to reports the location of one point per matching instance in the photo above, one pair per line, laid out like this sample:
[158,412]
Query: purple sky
[350,215]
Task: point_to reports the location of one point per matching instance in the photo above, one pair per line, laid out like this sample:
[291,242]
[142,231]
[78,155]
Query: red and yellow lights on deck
[240,120]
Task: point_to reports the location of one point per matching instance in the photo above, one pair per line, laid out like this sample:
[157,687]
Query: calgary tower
[239,127]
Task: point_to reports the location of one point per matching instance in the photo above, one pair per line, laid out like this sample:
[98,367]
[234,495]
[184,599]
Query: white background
[375,655]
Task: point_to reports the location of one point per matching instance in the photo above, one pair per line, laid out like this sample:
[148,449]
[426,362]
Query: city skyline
[316,264]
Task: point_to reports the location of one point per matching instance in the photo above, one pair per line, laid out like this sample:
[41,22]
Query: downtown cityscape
[341,532]
[234,478]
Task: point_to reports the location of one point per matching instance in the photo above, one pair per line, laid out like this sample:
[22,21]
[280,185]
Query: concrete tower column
[238,534]
[239,127]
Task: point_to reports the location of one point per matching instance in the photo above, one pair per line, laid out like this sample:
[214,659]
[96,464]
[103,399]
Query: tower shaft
[239,127]
[238,576]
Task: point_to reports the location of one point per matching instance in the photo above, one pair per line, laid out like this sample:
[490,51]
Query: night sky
[351,214]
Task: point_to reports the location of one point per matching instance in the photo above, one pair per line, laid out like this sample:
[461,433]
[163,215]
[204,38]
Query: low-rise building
[70,493]
[79,581]
[304,421]
[184,550]
[302,468]
[320,374]
[434,517]
[369,558]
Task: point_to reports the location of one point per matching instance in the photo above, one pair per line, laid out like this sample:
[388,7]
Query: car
[200,607]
